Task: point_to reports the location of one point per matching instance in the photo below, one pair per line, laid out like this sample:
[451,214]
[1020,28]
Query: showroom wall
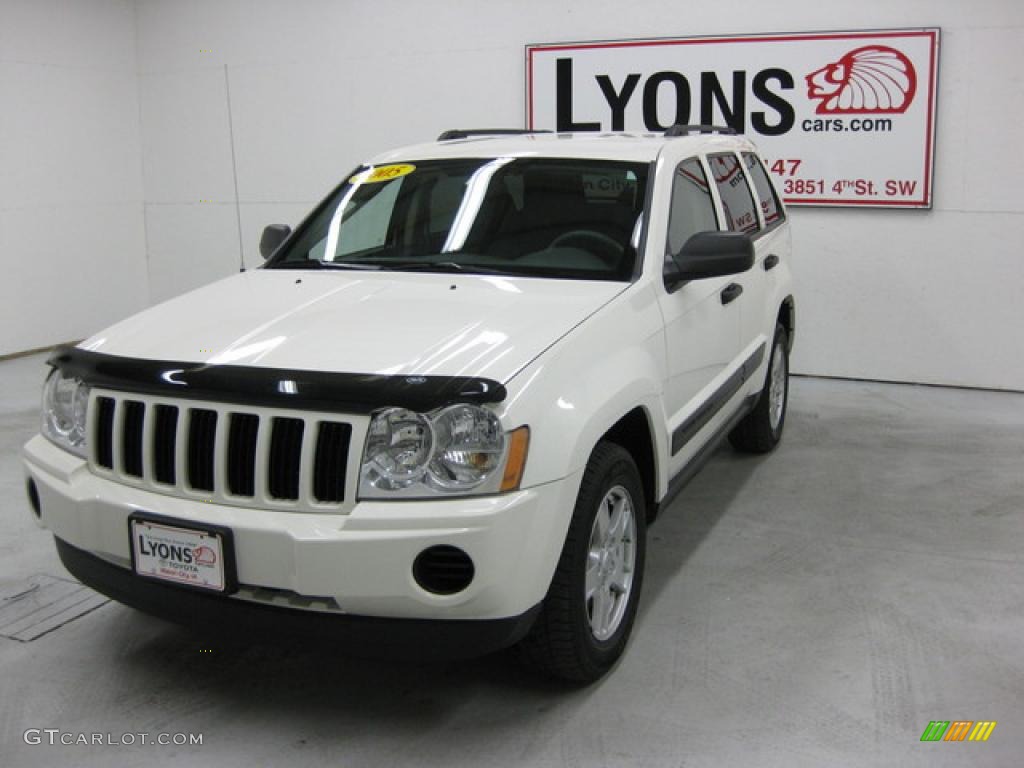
[71,229]
[280,98]
[926,296]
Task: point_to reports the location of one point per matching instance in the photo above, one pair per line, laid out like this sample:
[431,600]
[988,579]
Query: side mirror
[710,254]
[273,236]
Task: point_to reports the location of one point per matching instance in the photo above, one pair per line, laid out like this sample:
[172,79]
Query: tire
[599,567]
[761,429]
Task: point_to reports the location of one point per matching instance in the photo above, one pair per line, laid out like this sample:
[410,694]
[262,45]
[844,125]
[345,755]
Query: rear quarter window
[737,198]
[771,208]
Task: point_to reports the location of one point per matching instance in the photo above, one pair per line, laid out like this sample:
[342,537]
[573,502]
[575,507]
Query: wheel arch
[787,316]
[635,434]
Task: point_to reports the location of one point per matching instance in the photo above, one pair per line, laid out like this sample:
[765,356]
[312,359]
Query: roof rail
[686,130]
[458,133]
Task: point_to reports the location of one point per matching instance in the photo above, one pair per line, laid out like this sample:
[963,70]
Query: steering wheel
[597,243]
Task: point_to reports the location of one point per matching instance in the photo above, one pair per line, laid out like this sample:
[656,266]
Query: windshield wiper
[377,265]
[316,264]
[442,266]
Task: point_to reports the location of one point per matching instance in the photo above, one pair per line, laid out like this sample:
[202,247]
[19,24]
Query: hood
[362,322]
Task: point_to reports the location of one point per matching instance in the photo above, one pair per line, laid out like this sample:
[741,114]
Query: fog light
[443,570]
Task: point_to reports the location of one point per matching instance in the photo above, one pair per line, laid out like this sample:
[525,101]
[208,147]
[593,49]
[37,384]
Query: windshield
[517,216]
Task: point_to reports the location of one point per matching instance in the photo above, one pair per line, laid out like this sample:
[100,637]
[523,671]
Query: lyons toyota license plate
[191,556]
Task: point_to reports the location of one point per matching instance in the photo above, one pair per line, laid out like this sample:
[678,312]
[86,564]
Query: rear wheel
[590,607]
[761,429]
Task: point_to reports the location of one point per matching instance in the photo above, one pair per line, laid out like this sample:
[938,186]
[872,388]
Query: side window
[692,209]
[770,206]
[737,199]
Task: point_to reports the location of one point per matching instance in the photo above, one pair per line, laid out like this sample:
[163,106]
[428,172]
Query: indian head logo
[872,79]
[204,555]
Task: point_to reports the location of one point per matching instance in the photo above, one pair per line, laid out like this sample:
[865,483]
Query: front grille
[217,452]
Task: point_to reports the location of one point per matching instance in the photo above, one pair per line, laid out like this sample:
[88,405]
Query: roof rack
[458,133]
[686,130]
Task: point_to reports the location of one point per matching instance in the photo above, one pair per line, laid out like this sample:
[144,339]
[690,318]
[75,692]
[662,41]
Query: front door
[702,322]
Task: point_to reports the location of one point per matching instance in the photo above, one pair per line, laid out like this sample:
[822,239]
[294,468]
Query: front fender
[581,386]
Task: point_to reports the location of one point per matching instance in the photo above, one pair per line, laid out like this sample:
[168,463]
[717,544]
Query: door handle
[770,261]
[731,292]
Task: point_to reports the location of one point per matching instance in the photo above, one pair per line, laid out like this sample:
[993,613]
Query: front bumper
[216,616]
[359,564]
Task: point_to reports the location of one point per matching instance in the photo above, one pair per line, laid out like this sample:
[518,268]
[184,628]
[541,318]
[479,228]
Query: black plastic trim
[697,420]
[240,620]
[731,292]
[33,497]
[701,457]
[274,387]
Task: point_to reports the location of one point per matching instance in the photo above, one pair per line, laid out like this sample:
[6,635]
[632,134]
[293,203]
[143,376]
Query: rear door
[741,213]
[771,245]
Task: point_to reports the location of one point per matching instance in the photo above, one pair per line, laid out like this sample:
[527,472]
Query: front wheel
[590,607]
[761,429]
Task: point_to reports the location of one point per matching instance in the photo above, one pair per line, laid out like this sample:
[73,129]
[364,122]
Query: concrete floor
[817,607]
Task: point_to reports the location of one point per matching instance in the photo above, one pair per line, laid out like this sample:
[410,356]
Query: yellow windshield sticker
[382,173]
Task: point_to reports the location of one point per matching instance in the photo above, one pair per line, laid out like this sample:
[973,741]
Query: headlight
[470,445]
[65,402]
[458,449]
[398,447]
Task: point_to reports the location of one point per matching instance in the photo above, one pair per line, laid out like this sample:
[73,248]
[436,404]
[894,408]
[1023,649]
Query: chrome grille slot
[165,436]
[242,435]
[202,431]
[330,461]
[103,435]
[285,458]
[131,437]
[244,456]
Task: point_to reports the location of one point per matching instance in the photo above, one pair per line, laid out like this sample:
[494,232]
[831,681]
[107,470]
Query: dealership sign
[842,118]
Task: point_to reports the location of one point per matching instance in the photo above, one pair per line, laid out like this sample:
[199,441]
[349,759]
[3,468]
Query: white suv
[443,412]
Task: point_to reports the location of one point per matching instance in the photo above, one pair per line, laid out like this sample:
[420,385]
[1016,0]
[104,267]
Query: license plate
[189,556]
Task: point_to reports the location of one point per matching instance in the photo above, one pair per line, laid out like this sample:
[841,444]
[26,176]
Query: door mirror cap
[711,254]
[273,236]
